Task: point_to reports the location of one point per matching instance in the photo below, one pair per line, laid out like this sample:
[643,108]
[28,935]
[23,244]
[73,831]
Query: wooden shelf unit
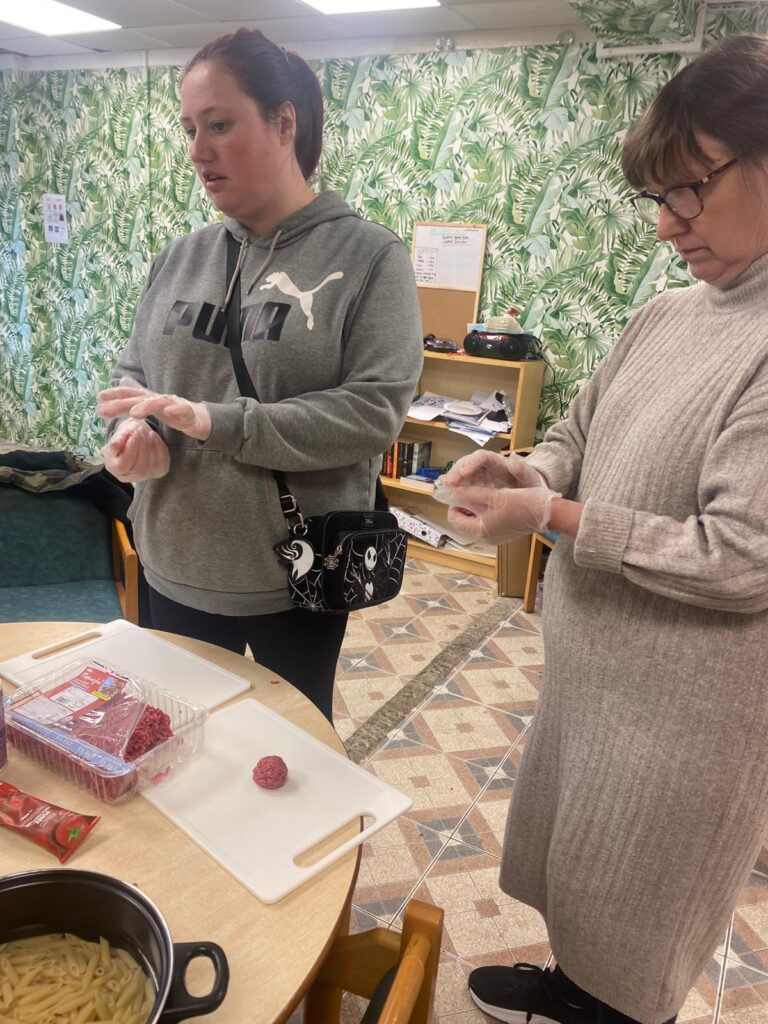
[459,376]
[479,565]
[408,485]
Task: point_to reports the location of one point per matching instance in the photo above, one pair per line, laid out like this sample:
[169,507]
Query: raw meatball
[270,772]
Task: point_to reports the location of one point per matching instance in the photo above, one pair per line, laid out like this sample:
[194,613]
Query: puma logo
[283,283]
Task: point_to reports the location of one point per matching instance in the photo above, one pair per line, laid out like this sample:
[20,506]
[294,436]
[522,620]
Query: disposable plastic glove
[495,499]
[191,418]
[489,469]
[136,452]
[498,514]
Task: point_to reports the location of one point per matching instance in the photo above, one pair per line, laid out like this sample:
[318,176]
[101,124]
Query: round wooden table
[274,951]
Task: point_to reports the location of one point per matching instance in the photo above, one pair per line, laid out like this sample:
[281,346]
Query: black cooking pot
[90,905]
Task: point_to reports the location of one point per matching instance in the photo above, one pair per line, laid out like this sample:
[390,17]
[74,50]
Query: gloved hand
[191,418]
[136,452]
[496,515]
[490,469]
[495,499]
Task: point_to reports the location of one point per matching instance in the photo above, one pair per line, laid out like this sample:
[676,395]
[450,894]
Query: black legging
[302,647]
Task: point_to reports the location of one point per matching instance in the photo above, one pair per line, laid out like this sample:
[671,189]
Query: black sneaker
[524,994]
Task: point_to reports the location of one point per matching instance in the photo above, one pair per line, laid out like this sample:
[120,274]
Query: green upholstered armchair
[61,558]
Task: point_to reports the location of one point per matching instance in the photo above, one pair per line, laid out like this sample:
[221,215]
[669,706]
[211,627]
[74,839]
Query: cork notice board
[448,264]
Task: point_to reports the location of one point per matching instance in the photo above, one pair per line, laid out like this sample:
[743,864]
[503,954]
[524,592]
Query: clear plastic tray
[110,778]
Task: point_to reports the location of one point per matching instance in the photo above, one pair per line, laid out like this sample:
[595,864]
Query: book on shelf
[405,457]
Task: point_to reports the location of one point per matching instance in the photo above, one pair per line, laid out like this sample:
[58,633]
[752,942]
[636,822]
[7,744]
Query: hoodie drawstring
[266,262]
[238,265]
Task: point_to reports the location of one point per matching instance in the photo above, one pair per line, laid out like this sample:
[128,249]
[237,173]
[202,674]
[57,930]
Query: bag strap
[288,504]
[244,382]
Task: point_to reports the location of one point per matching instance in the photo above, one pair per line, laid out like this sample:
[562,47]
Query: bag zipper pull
[332,561]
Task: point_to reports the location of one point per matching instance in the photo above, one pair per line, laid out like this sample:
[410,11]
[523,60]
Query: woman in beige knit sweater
[642,800]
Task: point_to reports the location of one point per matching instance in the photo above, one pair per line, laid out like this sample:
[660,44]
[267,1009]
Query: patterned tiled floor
[456,755]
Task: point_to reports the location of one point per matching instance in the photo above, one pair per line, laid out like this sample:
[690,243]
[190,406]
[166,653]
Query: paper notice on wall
[425,265]
[55,217]
[448,255]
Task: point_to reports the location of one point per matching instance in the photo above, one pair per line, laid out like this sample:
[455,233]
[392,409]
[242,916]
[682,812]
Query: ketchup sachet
[54,828]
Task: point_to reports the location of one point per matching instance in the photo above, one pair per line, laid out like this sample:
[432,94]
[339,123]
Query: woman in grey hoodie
[330,336]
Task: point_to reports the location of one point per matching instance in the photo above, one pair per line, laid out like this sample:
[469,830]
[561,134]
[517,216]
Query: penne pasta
[62,979]
[105,954]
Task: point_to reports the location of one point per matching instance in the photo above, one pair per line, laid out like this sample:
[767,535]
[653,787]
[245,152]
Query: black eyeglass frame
[661,198]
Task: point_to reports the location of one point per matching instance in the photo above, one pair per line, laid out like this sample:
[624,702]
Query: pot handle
[180,1004]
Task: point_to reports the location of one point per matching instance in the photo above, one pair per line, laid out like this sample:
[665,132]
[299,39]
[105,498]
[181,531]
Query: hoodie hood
[326,207]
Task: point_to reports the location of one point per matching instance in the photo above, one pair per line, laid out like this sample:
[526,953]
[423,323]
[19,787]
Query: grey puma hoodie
[331,336]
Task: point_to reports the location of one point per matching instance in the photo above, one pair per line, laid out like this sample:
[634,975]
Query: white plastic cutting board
[254,833]
[124,646]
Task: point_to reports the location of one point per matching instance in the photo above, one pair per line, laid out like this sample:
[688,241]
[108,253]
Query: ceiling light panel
[364,6]
[51,18]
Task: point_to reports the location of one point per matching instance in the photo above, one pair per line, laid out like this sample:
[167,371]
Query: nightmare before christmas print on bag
[344,561]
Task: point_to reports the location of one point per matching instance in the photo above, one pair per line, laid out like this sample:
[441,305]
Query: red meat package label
[91,688]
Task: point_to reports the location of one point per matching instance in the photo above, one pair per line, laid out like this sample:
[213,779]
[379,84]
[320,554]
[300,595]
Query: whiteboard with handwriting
[449,255]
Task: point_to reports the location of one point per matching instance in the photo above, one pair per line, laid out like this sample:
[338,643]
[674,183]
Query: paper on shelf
[476,548]
[428,406]
[477,434]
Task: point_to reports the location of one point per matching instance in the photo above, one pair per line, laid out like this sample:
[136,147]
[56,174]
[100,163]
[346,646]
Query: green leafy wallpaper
[525,140]
[638,22]
[67,309]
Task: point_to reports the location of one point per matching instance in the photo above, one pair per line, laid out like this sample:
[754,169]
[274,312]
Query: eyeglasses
[683,200]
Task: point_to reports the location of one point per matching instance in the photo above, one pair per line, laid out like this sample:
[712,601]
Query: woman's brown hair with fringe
[722,94]
[272,76]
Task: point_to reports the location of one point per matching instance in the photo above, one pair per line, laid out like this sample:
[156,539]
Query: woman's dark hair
[272,76]
[723,94]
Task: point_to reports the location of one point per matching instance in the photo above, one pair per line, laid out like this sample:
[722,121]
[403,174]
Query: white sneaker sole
[511,1016]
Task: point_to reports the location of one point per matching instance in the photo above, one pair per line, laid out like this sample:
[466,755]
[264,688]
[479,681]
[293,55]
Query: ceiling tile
[394,23]
[359,26]
[41,46]
[117,39]
[246,10]
[13,31]
[141,13]
[517,15]
[184,36]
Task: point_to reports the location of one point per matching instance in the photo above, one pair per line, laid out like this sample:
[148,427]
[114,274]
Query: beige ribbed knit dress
[642,799]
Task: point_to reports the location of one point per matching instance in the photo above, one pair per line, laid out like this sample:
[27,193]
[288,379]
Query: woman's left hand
[191,418]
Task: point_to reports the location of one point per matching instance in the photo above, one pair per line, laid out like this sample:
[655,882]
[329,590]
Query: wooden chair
[396,972]
[539,541]
[125,571]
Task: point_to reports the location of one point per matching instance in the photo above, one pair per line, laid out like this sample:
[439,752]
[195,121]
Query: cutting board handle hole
[306,858]
[76,641]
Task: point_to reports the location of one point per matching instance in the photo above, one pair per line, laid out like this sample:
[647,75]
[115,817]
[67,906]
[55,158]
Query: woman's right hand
[494,498]
[136,452]
[499,514]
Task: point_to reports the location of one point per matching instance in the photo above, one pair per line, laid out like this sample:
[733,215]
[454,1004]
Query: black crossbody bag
[337,562]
